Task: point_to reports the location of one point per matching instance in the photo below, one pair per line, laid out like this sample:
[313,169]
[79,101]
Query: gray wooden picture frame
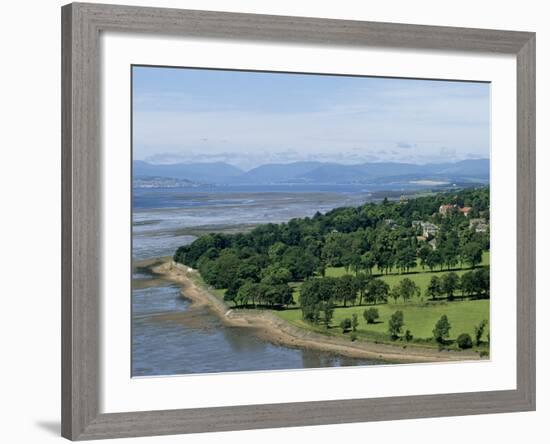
[81,172]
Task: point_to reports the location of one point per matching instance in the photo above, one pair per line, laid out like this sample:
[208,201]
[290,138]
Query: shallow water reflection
[170,338]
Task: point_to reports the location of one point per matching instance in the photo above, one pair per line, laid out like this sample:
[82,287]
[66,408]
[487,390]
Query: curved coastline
[278,331]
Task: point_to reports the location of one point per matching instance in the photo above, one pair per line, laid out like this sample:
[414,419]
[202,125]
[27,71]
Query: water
[165,218]
[170,337]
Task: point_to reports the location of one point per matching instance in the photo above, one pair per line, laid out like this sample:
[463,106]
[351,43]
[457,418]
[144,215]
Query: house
[476,221]
[465,210]
[479,224]
[445,209]
[482,228]
[428,229]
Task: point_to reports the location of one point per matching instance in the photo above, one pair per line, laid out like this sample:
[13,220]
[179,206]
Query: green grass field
[420,314]
[419,319]
[418,275]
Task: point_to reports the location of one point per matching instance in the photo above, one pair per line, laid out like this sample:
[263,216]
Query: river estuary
[169,337]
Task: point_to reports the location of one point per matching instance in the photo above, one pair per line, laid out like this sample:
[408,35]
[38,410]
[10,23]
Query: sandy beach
[269,327]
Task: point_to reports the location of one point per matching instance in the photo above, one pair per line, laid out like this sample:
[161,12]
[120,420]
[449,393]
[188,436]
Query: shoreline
[273,329]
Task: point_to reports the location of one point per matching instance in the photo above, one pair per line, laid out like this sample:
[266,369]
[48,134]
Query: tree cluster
[373,235]
[474,283]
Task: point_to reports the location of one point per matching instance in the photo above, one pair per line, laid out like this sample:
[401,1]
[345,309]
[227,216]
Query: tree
[408,336]
[231,293]
[408,289]
[361,283]
[355,261]
[395,293]
[472,254]
[300,263]
[433,290]
[275,275]
[468,284]
[395,324]
[405,257]
[479,330]
[220,272]
[434,259]
[449,283]
[423,254]
[482,281]
[377,290]
[449,247]
[280,294]
[313,293]
[328,313]
[345,289]
[354,322]
[369,261]
[441,329]
[311,313]
[247,292]
[464,341]
[345,325]
[371,315]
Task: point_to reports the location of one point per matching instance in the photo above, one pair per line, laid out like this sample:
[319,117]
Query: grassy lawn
[419,318]
[420,314]
[419,276]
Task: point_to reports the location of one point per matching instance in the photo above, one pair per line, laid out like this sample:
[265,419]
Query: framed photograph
[278,221]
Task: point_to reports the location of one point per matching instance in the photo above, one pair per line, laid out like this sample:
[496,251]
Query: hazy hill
[278,172]
[217,172]
[476,170]
[392,171]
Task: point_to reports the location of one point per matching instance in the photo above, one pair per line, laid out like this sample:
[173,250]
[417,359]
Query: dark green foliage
[464,341]
[468,284]
[408,336]
[346,325]
[381,235]
[395,324]
[377,291]
[441,329]
[482,281]
[327,309]
[371,315]
[434,287]
[345,289]
[275,274]
[472,253]
[406,289]
[449,284]
[479,330]
[299,263]
[361,283]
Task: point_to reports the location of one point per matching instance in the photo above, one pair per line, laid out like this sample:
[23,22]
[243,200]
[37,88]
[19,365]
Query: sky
[252,118]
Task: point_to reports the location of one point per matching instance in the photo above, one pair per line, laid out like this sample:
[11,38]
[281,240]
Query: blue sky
[252,118]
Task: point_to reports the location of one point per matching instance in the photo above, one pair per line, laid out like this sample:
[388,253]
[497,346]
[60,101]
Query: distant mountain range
[475,170]
[216,172]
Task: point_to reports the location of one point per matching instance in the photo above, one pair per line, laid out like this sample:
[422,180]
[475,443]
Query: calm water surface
[168,336]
